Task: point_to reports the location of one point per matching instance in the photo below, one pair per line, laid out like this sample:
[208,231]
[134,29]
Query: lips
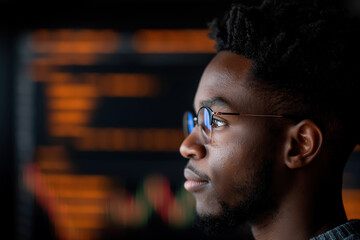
[194,182]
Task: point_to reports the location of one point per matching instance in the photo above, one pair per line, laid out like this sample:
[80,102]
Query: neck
[302,217]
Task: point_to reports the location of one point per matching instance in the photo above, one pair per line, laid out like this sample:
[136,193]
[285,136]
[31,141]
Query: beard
[258,202]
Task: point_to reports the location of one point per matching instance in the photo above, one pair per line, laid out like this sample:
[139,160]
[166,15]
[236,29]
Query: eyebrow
[216,101]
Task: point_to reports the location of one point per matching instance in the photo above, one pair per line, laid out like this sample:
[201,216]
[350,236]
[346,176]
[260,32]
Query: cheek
[237,146]
[232,162]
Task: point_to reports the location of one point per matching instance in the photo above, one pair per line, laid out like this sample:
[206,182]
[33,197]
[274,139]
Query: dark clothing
[346,231]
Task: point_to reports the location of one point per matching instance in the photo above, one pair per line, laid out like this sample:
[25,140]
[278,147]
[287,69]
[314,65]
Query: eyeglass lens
[204,120]
[188,123]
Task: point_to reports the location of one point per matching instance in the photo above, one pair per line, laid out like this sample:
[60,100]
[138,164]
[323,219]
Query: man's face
[232,174]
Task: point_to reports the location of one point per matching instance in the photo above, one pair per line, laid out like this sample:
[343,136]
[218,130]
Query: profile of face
[233,176]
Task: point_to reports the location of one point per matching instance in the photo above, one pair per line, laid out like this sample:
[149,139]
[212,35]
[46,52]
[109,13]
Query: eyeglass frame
[196,119]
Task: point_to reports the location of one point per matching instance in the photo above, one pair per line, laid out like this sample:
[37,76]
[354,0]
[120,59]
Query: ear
[304,142]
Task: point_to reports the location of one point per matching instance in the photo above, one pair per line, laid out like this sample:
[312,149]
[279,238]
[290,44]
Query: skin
[294,203]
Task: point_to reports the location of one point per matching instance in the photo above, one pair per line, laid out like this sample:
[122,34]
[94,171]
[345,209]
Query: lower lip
[194,186]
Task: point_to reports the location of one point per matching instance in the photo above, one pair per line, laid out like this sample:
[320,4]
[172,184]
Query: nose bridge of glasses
[195,119]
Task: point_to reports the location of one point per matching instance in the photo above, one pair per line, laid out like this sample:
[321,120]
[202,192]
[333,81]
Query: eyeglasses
[205,120]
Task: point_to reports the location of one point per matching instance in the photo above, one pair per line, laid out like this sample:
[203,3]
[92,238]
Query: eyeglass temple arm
[248,114]
[222,113]
[291,117]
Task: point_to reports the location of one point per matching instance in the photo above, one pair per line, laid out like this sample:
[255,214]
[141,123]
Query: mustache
[196,171]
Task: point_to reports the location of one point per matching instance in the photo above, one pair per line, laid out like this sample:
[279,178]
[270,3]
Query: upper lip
[191,175]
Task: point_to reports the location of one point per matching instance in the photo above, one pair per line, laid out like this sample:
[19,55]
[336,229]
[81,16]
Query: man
[275,122]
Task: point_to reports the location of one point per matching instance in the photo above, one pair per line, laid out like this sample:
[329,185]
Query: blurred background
[91,102]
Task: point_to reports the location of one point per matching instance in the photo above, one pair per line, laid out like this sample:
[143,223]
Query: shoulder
[353,237]
[347,231]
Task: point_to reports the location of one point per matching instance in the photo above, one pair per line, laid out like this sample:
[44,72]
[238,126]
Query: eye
[218,123]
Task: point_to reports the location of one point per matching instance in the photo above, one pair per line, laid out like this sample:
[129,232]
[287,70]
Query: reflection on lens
[205,120]
[190,122]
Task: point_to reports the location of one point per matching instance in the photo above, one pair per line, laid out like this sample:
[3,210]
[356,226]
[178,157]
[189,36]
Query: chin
[208,208]
[214,223]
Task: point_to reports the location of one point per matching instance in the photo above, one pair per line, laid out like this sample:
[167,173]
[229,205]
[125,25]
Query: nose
[192,146]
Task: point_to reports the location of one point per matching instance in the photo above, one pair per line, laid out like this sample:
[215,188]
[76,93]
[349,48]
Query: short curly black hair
[306,51]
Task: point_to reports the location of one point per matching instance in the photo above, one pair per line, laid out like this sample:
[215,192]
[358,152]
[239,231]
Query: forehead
[226,78]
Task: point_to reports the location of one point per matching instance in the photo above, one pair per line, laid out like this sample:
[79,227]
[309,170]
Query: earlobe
[304,143]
